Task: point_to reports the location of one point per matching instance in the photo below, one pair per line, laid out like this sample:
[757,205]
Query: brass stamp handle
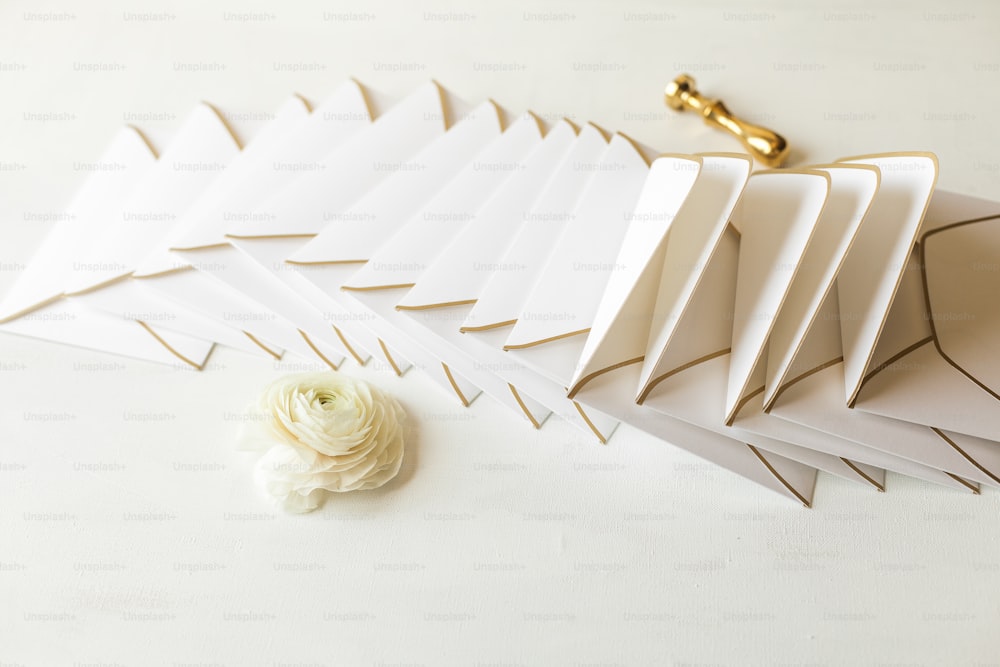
[769,147]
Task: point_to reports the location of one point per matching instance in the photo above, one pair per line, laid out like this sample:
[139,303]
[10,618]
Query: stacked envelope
[840,318]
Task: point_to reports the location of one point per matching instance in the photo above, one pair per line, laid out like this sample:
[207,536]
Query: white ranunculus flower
[325,432]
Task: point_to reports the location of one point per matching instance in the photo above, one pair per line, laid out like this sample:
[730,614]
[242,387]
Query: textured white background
[132,534]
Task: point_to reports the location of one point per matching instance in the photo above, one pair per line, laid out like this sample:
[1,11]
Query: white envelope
[874,266]
[72,323]
[124,163]
[505,292]
[696,201]
[35,306]
[551,328]
[353,235]
[700,187]
[198,158]
[290,146]
[549,331]
[609,392]
[805,353]
[459,273]
[935,360]
[690,377]
[267,162]
[395,347]
[510,270]
[479,191]
[253,259]
[443,293]
[198,152]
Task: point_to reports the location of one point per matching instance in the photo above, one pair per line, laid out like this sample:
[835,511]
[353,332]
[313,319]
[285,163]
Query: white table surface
[130,530]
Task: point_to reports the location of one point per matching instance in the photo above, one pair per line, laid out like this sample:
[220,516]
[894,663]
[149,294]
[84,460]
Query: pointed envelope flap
[196,155]
[564,300]
[365,159]
[504,294]
[404,257]
[776,218]
[676,192]
[699,259]
[235,184]
[852,190]
[961,271]
[71,322]
[873,268]
[935,361]
[702,329]
[460,271]
[300,151]
[123,163]
[354,234]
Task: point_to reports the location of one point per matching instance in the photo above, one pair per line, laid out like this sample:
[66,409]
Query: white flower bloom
[326,432]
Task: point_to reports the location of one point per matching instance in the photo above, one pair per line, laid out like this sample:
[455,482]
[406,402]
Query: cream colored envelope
[35,306]
[688,377]
[626,312]
[805,373]
[506,290]
[252,260]
[353,235]
[609,392]
[935,361]
[815,399]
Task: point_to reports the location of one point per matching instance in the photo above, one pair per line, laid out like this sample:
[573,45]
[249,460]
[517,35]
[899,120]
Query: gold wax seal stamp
[767,146]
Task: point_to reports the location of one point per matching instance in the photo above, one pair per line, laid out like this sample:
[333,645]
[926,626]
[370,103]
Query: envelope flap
[196,155]
[621,324]
[776,218]
[699,329]
[961,276]
[356,233]
[341,114]
[692,243]
[404,257]
[564,299]
[460,271]
[353,168]
[236,182]
[874,265]
[123,163]
[503,296]
[852,190]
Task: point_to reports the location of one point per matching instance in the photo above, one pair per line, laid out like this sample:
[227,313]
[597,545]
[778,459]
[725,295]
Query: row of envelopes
[841,317]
